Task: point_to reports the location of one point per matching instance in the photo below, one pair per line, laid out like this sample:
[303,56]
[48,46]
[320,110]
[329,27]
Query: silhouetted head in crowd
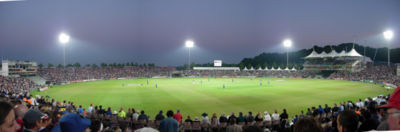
[347,121]
[394,110]
[142,112]
[170,113]
[7,118]
[307,125]
[34,120]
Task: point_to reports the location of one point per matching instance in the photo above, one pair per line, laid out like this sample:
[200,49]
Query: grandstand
[350,61]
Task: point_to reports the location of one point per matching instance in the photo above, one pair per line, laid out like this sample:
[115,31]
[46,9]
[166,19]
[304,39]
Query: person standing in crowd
[169,124]
[178,116]
[7,118]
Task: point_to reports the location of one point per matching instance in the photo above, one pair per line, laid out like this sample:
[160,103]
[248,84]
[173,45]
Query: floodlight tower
[189,44]
[287,43]
[388,35]
[63,38]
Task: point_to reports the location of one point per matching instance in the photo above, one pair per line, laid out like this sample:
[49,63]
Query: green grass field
[194,96]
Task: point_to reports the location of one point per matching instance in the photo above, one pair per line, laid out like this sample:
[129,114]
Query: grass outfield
[194,96]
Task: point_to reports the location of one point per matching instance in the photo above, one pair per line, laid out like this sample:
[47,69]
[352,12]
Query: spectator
[90,109]
[34,120]
[204,118]
[135,115]
[122,113]
[188,119]
[241,117]
[178,116]
[143,116]
[74,123]
[250,118]
[347,121]
[307,125]
[169,124]
[160,116]
[20,111]
[233,127]
[223,119]
[394,110]
[7,118]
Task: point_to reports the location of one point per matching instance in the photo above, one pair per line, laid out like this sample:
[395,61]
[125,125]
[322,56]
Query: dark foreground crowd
[21,112]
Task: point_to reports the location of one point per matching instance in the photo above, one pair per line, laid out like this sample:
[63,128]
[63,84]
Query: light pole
[63,39]
[287,43]
[388,35]
[189,44]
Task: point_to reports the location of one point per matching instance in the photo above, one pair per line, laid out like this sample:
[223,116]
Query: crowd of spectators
[18,114]
[15,84]
[22,112]
[60,74]
[380,73]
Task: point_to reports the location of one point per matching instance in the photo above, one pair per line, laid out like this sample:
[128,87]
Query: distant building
[18,68]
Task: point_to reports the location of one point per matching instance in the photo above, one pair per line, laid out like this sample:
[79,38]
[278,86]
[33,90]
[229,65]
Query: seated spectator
[143,116]
[178,116]
[188,119]
[34,120]
[241,117]
[169,124]
[394,110]
[204,118]
[7,118]
[307,125]
[222,118]
[233,127]
[159,116]
[347,121]
[74,123]
[122,113]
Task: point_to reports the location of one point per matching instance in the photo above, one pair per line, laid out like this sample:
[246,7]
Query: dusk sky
[154,31]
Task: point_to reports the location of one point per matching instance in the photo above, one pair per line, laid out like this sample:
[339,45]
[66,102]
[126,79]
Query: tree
[185,66]
[87,65]
[70,65]
[77,64]
[103,64]
[241,65]
[265,65]
[248,66]
[94,65]
[192,65]
[50,65]
[59,66]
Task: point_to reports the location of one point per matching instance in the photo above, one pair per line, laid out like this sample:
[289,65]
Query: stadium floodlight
[388,35]
[287,43]
[189,44]
[63,38]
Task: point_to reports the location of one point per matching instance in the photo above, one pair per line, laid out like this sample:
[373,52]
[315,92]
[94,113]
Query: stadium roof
[352,53]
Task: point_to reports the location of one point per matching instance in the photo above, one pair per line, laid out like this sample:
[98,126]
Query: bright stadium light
[287,43]
[189,44]
[388,35]
[63,38]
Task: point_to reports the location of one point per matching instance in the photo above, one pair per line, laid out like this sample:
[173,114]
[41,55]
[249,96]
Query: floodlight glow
[189,43]
[388,34]
[287,43]
[63,38]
